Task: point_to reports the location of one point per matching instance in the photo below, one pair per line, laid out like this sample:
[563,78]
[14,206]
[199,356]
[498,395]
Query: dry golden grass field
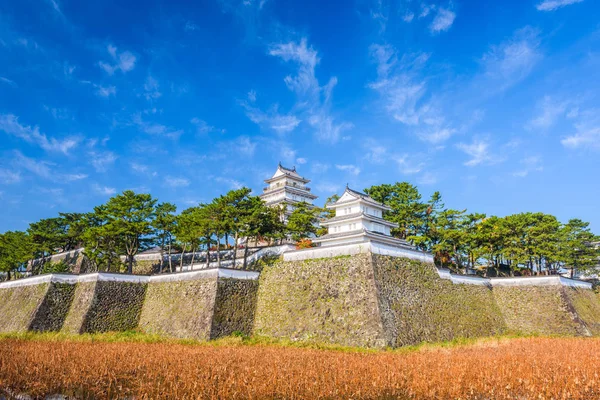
[526,368]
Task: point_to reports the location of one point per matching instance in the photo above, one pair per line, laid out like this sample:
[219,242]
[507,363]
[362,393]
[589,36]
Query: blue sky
[495,105]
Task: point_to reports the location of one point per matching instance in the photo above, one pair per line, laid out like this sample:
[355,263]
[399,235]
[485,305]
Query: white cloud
[326,129]
[312,99]
[73,177]
[7,177]
[301,160]
[427,179]
[252,96]
[329,187]
[551,5]
[376,153]
[352,169]
[123,61]
[10,124]
[514,59]
[280,123]
[37,167]
[104,190]
[436,134]
[529,164]
[549,112]
[443,20]
[190,26]
[587,131]
[242,146]
[319,168]
[55,5]
[8,81]
[202,127]
[105,91]
[232,183]
[176,182]
[156,129]
[101,161]
[398,85]
[408,164]
[151,91]
[305,82]
[479,153]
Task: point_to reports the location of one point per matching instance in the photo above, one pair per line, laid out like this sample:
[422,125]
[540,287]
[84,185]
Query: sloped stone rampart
[417,306]
[18,306]
[181,309]
[82,301]
[586,304]
[537,310]
[53,310]
[116,306]
[330,300]
[234,308]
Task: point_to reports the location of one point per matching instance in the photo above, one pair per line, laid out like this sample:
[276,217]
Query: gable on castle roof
[351,195]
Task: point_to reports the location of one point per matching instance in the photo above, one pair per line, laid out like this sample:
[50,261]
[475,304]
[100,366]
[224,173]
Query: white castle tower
[286,188]
[358,219]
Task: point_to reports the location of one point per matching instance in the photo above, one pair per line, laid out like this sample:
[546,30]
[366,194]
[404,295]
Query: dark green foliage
[234,307]
[52,313]
[302,222]
[116,306]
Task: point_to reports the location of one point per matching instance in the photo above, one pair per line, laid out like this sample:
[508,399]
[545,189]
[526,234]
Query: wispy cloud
[528,165]
[313,99]
[105,91]
[120,61]
[101,161]
[513,60]
[409,164]
[549,111]
[272,119]
[479,153]
[587,131]
[231,183]
[8,177]
[404,93]
[104,190]
[8,81]
[202,127]
[37,167]
[351,169]
[442,21]
[10,124]
[176,182]
[551,5]
[151,87]
[152,128]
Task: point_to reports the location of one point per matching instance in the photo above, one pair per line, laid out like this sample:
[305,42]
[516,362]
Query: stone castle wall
[366,300]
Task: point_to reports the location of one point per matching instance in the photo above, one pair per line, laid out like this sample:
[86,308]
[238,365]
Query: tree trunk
[246,255]
[235,245]
[181,259]
[170,261]
[130,264]
[208,252]
[193,256]
[162,255]
[8,274]
[218,251]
